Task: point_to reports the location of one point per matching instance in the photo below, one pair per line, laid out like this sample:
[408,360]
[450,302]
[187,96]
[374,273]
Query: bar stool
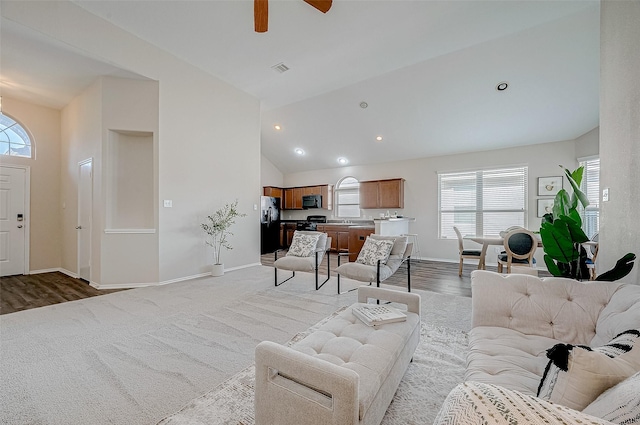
[413,237]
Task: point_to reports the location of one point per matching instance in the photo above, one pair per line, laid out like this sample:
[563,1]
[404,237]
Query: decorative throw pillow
[303,245]
[374,250]
[576,374]
[620,404]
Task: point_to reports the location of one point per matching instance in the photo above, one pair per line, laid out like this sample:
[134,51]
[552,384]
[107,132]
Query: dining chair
[519,247]
[473,254]
[591,260]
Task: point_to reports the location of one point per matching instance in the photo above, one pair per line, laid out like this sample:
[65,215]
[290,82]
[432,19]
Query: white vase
[217,270]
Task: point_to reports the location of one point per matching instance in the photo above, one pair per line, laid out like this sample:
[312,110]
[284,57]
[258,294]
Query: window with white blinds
[591,187]
[482,202]
[348,197]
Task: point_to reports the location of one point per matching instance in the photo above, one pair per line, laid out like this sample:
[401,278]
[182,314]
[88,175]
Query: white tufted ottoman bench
[343,373]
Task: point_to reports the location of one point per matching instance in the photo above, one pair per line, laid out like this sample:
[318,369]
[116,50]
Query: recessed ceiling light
[502,86]
[343,161]
[299,151]
[277,127]
[379,138]
[364,104]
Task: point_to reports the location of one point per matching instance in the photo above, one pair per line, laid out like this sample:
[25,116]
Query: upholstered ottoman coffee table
[343,373]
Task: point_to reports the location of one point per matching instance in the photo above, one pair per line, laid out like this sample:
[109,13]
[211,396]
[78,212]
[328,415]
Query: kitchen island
[392,226]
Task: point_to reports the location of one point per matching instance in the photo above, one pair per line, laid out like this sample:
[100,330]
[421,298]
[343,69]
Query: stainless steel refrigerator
[269,224]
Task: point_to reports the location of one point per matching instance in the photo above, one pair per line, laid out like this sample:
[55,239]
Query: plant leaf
[621,269]
[575,229]
[561,204]
[557,241]
[552,266]
[575,185]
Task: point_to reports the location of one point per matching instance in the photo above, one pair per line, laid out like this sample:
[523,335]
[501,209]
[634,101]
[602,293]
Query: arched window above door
[14,139]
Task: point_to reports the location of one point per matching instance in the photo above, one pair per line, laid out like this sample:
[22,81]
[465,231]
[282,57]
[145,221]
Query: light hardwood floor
[30,291]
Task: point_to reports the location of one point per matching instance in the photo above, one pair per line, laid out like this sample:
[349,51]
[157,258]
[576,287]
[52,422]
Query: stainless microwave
[311,201]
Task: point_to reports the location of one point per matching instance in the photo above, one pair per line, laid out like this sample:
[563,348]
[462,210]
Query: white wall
[81,135]
[421,186]
[208,138]
[43,124]
[620,132]
[131,106]
[269,174]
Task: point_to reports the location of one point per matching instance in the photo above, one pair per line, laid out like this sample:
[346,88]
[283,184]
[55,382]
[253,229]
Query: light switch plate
[605,194]
[168,203]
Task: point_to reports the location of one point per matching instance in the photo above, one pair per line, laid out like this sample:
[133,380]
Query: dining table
[498,240]
[486,241]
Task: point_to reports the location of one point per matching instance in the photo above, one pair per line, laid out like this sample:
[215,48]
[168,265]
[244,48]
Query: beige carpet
[437,367]
[137,356]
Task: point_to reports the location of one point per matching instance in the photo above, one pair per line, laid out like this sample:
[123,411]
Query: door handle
[78,227]
[19,226]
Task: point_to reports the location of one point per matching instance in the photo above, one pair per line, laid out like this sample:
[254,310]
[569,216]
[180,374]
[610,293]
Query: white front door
[85,195]
[13,220]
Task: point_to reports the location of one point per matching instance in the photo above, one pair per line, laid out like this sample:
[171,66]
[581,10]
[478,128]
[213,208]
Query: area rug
[437,367]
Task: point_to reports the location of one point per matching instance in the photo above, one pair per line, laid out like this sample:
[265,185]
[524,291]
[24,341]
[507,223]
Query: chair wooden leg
[499,267]
[460,268]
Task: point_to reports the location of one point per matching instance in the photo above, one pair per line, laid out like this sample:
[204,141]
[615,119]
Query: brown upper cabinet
[382,194]
[291,197]
[276,192]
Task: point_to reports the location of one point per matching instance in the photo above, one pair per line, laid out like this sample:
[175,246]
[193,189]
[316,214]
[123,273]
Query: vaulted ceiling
[427,71]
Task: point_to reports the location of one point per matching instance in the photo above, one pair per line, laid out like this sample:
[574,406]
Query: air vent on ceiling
[281,67]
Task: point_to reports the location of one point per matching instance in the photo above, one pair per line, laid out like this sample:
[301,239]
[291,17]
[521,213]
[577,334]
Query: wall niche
[129,182]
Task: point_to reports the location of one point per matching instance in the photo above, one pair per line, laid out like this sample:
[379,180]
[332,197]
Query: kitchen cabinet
[286,234]
[273,191]
[357,236]
[293,196]
[382,194]
[341,237]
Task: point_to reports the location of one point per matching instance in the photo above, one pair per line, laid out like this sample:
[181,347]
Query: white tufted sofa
[515,319]
[343,373]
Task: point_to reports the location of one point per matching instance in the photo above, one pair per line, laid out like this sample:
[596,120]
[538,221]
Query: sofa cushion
[576,375]
[619,404]
[303,245]
[369,351]
[507,357]
[363,272]
[562,309]
[373,251]
[622,312]
[399,244]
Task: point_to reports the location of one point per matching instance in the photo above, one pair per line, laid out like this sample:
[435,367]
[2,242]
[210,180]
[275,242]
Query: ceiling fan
[261,11]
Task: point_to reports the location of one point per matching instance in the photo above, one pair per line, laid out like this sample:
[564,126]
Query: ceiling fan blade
[322,5]
[261,15]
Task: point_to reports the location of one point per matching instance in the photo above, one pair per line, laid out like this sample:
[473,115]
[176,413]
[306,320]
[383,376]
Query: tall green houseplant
[217,228]
[562,236]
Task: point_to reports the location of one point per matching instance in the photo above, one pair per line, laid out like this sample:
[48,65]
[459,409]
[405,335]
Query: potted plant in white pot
[217,229]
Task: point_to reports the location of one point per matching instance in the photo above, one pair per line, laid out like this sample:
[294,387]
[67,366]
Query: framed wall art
[545,206]
[549,186]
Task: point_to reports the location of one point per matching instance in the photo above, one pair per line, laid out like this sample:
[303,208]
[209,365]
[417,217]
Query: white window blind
[591,187]
[348,197]
[482,202]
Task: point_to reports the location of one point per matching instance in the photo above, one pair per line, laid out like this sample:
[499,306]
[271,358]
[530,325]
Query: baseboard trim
[166,282]
[55,269]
